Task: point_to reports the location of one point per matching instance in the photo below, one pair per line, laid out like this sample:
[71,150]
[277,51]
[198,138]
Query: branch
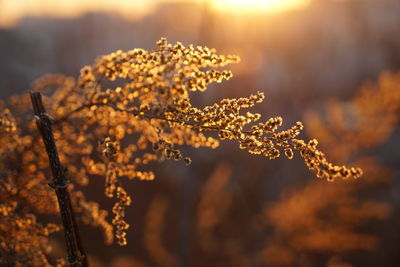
[139,114]
[76,255]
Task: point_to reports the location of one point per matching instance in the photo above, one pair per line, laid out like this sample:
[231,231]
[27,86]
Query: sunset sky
[12,10]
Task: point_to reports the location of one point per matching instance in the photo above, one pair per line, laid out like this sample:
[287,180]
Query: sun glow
[257,6]
[13,10]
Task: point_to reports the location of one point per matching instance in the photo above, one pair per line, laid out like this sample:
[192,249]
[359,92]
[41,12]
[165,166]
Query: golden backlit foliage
[326,220]
[367,121]
[23,239]
[125,111]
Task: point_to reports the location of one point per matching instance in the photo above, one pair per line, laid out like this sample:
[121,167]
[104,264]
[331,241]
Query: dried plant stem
[76,255]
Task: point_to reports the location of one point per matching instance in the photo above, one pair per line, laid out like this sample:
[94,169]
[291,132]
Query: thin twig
[139,114]
[76,255]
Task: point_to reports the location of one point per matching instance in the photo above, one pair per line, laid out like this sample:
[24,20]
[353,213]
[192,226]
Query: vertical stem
[76,255]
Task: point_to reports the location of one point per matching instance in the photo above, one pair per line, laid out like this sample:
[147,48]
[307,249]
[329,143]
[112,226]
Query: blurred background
[331,64]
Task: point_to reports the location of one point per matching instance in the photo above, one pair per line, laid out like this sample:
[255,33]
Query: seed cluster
[130,109]
[7,122]
[23,240]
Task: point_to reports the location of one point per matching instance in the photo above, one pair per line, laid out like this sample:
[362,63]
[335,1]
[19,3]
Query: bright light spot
[13,10]
[256,6]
